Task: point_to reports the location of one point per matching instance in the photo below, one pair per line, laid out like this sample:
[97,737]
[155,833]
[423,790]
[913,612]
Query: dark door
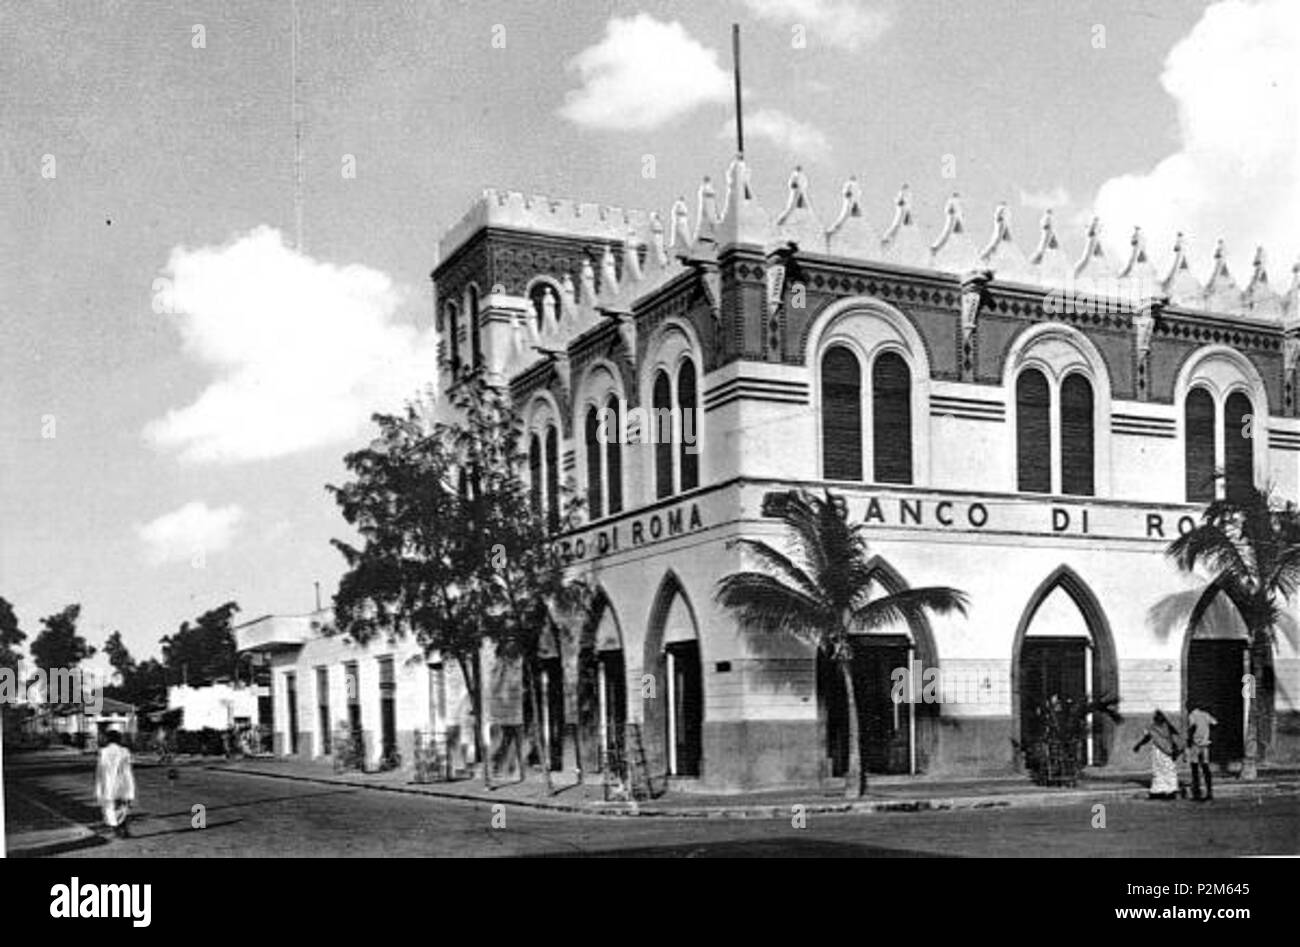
[387,708]
[884,724]
[834,708]
[688,706]
[554,698]
[615,707]
[1214,669]
[1050,667]
[291,695]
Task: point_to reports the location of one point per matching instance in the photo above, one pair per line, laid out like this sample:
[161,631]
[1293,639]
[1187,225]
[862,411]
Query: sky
[179,379]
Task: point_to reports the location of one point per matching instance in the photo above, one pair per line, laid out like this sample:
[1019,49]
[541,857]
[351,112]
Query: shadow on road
[749,848]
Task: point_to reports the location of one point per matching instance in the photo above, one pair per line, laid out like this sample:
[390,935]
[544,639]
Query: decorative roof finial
[679,237]
[706,220]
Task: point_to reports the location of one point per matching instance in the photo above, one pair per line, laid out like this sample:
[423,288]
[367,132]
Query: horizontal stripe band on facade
[1283,445]
[956,401]
[1142,420]
[967,415]
[771,397]
[758,385]
[1126,432]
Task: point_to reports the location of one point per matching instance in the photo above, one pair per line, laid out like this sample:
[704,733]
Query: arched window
[452,338]
[535,471]
[1076,436]
[1198,446]
[552,479]
[841,415]
[591,440]
[613,456]
[540,295]
[661,426]
[1033,433]
[891,419]
[1238,454]
[471,313]
[690,427]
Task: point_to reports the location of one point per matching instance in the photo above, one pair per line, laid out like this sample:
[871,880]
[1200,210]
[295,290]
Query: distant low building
[74,719]
[218,706]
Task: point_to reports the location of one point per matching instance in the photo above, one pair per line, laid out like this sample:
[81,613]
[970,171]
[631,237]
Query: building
[217,706]
[1027,424]
[318,688]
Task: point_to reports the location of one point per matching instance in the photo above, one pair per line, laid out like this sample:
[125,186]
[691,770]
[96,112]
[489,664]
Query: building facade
[1027,425]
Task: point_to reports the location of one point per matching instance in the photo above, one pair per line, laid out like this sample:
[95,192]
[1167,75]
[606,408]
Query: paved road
[261,816]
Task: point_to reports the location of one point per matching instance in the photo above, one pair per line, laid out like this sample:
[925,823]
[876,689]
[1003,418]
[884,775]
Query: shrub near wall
[205,742]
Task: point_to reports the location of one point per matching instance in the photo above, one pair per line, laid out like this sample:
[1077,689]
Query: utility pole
[735,68]
[297,133]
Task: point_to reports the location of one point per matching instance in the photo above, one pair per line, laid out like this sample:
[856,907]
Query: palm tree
[1250,546]
[821,594]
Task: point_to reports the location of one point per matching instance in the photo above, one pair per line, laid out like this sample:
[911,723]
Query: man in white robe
[115,783]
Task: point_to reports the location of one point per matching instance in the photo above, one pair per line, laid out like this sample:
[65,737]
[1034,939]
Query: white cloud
[303,351]
[192,531]
[783,130]
[1054,199]
[844,24]
[643,74]
[1237,173]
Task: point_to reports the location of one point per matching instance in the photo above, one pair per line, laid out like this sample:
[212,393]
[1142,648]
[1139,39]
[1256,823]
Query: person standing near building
[1199,722]
[115,783]
[1166,747]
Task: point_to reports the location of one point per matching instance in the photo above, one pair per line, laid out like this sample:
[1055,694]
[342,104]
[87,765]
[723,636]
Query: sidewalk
[884,794]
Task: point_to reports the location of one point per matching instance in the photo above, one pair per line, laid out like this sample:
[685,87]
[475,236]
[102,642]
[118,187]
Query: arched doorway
[898,737]
[1214,659]
[1063,647]
[673,709]
[602,691]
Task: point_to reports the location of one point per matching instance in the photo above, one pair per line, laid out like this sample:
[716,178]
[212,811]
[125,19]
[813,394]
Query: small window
[552,478]
[472,314]
[591,442]
[535,471]
[1033,433]
[1238,455]
[1198,446]
[662,432]
[841,415]
[689,447]
[613,456]
[1076,436]
[891,423]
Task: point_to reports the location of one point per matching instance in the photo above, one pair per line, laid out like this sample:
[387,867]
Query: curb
[777,811]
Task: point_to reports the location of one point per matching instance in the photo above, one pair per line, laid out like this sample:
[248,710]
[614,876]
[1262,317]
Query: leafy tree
[11,636]
[119,657]
[58,645]
[821,593]
[202,653]
[1250,546]
[451,549]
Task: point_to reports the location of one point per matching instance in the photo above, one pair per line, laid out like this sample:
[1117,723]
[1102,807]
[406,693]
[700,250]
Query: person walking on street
[115,783]
[1166,747]
[1199,722]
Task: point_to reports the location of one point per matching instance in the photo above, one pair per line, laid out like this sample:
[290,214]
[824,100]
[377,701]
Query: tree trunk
[1257,706]
[855,781]
[471,671]
[541,739]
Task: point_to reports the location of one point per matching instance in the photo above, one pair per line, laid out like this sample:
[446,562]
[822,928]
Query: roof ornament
[631,257]
[1049,259]
[849,235]
[1221,291]
[1260,299]
[1093,264]
[743,220]
[1002,255]
[1180,285]
[706,218]
[679,237]
[952,250]
[608,274]
[902,241]
[1138,267]
[798,223]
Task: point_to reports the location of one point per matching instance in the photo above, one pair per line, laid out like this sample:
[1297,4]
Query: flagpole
[735,59]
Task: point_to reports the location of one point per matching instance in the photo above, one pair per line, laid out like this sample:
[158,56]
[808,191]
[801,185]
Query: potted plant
[1057,751]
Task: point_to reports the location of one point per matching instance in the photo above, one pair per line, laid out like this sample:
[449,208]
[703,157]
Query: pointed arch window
[452,338]
[472,314]
[535,471]
[662,432]
[1076,436]
[613,456]
[594,450]
[1033,433]
[552,478]
[841,384]
[688,446]
[891,419]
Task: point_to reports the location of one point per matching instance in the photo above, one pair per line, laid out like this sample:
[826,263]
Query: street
[252,815]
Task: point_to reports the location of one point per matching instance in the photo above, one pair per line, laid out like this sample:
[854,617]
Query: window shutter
[535,471]
[690,429]
[1077,465]
[891,434]
[1033,433]
[614,456]
[592,444]
[1238,456]
[1198,447]
[661,429]
[841,415]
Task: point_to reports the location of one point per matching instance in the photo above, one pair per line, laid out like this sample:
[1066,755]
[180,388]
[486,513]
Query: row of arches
[1063,646]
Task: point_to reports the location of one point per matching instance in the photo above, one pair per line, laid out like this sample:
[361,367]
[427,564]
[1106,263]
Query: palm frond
[765,604]
[909,606]
[779,563]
